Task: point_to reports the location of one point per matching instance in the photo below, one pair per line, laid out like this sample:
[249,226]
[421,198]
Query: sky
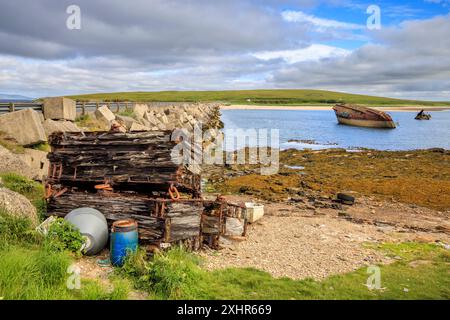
[48,49]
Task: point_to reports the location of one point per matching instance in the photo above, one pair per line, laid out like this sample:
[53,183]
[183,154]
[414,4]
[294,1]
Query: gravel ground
[300,247]
[90,269]
[294,243]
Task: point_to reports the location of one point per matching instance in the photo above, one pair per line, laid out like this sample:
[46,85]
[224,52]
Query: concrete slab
[24,126]
[105,115]
[60,109]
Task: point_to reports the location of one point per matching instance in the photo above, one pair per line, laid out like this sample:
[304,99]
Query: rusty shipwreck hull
[359,116]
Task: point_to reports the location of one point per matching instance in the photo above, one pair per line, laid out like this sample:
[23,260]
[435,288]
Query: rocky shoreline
[26,132]
[398,197]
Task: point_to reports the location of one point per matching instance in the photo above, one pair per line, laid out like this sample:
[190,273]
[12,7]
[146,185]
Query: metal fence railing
[82,106]
[89,106]
[6,107]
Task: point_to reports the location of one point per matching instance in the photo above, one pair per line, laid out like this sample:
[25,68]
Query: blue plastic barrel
[124,240]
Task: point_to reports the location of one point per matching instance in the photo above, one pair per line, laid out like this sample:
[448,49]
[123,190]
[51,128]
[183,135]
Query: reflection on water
[321,126]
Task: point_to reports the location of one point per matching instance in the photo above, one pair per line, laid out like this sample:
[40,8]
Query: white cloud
[320,24]
[314,52]
[408,61]
[213,45]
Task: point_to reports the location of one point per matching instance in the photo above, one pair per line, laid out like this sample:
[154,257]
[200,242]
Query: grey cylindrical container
[93,226]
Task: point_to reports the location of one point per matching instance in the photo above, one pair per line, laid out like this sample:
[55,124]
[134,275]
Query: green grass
[258,97]
[173,275]
[15,230]
[127,113]
[39,274]
[30,269]
[44,146]
[177,275]
[10,144]
[33,274]
[94,290]
[87,121]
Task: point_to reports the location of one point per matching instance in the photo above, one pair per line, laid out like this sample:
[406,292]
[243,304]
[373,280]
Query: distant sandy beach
[397,108]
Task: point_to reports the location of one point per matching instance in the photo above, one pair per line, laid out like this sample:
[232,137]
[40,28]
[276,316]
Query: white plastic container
[254,211]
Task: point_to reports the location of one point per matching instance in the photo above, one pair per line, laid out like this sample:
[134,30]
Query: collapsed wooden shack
[139,160]
[137,175]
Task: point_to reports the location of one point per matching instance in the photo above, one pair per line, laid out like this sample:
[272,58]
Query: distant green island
[256,97]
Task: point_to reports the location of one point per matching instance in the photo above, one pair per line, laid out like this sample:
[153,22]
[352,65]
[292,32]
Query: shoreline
[327,108]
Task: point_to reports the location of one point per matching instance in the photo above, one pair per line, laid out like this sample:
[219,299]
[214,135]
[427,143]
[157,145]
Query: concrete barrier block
[60,108]
[150,117]
[105,115]
[51,126]
[24,126]
[140,110]
[37,161]
[138,127]
[127,122]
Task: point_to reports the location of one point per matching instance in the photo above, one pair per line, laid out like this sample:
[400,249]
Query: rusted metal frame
[167,224]
[60,170]
[49,171]
[53,171]
[50,192]
[162,211]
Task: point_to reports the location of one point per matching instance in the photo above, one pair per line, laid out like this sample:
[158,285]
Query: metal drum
[124,240]
[93,226]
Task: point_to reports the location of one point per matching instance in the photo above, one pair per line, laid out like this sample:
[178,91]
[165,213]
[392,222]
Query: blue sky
[152,45]
[393,14]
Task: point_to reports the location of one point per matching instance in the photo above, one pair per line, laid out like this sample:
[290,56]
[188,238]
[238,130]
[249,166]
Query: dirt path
[301,243]
[90,269]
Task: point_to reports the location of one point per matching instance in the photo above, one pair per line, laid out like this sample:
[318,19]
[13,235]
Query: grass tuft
[90,122]
[127,113]
[9,143]
[32,274]
[170,275]
[44,146]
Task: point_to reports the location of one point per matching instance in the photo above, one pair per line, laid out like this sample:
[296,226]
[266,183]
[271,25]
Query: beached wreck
[423,116]
[355,115]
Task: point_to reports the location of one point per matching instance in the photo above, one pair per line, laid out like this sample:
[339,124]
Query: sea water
[321,130]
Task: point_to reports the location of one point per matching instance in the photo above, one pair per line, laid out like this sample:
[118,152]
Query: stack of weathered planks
[120,159]
[128,175]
